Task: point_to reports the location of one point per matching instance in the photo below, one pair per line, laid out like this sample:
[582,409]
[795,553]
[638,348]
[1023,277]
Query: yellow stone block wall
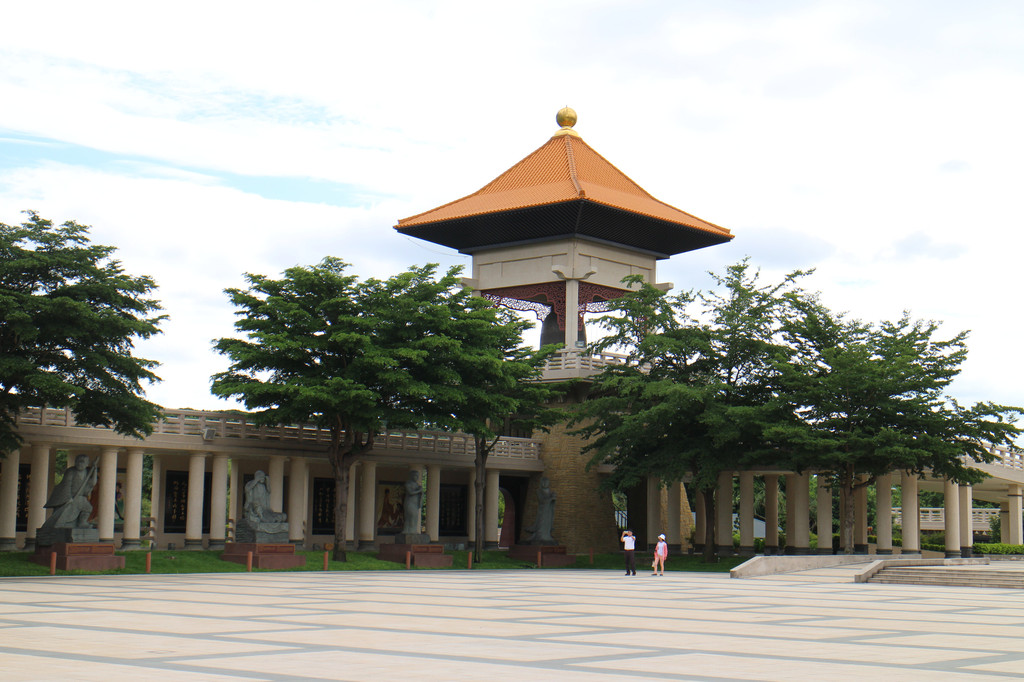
[584,516]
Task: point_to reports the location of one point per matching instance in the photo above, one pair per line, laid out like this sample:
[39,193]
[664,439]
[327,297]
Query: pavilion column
[700,524]
[297,502]
[860,518]
[351,541]
[1013,497]
[673,530]
[951,516]
[367,505]
[131,526]
[471,508]
[38,490]
[275,474]
[9,475]
[156,500]
[771,514]
[1004,523]
[433,501]
[723,513]
[798,528]
[966,521]
[233,497]
[219,502]
[196,489]
[910,514]
[572,317]
[491,511]
[654,521]
[105,499]
[883,513]
[746,512]
[824,518]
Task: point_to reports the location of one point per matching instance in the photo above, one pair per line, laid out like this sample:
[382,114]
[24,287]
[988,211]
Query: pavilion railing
[210,425]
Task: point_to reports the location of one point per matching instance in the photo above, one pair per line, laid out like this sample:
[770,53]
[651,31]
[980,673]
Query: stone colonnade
[203,490]
[958,512]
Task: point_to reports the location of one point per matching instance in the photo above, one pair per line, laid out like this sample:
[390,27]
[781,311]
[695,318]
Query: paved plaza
[527,624]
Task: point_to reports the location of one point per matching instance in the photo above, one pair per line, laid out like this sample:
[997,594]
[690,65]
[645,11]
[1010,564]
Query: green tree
[871,400]
[69,318]
[498,392]
[356,357]
[697,393]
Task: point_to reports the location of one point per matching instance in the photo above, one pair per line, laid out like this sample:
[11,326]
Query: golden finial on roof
[566,118]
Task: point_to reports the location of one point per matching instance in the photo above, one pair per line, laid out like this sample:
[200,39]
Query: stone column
[219,502]
[883,513]
[107,485]
[9,474]
[234,496]
[367,505]
[1015,527]
[131,529]
[1004,523]
[824,494]
[966,522]
[673,531]
[196,488]
[700,523]
[771,514]
[297,502]
[156,499]
[491,493]
[798,526]
[723,513]
[746,512]
[471,508]
[572,304]
[38,489]
[654,522]
[910,514]
[951,515]
[351,541]
[276,479]
[433,501]
[860,516]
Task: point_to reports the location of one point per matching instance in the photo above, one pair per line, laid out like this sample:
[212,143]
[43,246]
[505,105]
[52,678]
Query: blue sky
[878,142]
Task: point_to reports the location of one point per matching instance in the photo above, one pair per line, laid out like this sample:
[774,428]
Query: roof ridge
[573,174]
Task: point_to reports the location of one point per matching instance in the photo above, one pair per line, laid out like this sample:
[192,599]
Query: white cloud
[878,142]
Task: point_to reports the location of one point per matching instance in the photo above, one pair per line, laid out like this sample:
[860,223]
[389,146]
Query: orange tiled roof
[564,169]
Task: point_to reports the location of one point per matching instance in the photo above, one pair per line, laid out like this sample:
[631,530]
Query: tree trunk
[710,547]
[341,475]
[480,463]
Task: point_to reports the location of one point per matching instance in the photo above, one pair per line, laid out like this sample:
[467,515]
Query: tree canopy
[698,391]
[358,357]
[69,318]
[871,399]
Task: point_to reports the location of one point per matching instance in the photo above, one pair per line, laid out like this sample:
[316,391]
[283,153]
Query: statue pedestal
[84,556]
[551,556]
[264,555]
[247,532]
[54,536]
[423,555]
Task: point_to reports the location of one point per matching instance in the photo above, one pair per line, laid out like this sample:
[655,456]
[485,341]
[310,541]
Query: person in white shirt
[629,545]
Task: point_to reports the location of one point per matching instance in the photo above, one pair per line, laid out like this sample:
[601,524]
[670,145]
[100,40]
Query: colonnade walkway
[535,624]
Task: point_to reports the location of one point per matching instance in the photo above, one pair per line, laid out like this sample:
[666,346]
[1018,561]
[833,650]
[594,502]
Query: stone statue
[70,498]
[413,499]
[541,528]
[260,523]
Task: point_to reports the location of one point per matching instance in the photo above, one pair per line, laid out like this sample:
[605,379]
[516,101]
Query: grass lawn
[17,563]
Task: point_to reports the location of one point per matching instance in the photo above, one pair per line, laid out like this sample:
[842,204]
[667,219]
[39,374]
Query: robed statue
[412,505]
[70,498]
[541,528]
[259,522]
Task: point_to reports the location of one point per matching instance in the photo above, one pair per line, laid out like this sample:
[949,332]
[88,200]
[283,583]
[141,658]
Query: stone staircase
[957,576]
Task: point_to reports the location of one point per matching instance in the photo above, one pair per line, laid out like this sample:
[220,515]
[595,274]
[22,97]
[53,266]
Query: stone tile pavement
[538,625]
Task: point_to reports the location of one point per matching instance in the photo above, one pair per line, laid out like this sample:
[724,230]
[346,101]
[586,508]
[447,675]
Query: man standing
[629,545]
